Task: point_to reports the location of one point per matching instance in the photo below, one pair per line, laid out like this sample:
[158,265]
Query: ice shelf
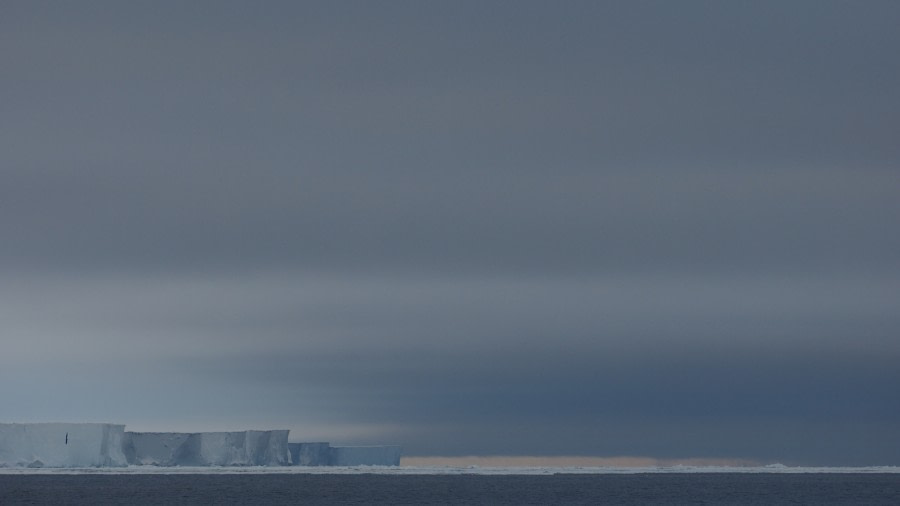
[247,448]
[67,445]
[61,445]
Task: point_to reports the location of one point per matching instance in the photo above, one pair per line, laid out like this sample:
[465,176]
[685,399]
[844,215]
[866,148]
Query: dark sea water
[719,488]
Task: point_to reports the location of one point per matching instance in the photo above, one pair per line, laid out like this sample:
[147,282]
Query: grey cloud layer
[636,228]
[442,363]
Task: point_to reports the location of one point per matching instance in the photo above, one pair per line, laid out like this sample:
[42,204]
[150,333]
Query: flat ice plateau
[411,470]
[84,445]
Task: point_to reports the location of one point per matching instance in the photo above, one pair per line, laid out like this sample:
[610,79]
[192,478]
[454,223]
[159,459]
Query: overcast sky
[658,229]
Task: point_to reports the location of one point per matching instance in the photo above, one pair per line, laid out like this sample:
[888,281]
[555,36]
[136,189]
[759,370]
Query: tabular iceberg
[108,445]
[247,448]
[62,445]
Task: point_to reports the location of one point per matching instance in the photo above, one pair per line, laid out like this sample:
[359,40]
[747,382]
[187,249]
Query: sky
[648,229]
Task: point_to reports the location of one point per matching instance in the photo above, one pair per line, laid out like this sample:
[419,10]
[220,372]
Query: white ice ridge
[38,445]
[246,448]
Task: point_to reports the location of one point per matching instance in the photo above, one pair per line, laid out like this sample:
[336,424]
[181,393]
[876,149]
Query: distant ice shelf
[101,445]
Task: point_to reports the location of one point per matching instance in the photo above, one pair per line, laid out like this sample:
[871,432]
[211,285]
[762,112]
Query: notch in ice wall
[309,454]
[47,445]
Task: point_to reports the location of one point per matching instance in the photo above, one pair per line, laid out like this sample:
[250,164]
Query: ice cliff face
[61,445]
[155,448]
[247,448]
[108,445]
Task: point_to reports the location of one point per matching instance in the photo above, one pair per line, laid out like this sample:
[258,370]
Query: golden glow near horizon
[567,461]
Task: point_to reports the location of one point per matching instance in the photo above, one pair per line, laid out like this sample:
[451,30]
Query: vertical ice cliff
[61,445]
[155,448]
[246,448]
[108,445]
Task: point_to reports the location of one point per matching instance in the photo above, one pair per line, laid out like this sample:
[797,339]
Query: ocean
[314,489]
